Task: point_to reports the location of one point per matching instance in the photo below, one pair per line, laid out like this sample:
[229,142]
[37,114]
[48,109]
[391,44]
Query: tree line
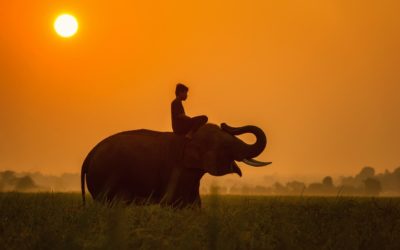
[365,183]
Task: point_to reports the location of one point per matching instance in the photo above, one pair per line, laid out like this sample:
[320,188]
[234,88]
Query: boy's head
[181,91]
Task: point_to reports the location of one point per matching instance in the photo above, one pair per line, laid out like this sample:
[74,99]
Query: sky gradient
[321,78]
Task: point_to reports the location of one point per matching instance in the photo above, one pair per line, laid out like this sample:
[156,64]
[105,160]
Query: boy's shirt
[177,113]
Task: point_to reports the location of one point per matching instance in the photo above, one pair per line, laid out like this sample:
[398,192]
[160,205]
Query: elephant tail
[83,175]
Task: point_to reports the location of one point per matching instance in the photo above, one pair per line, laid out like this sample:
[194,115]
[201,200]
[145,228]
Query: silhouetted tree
[358,180]
[327,182]
[25,184]
[8,177]
[372,186]
[365,173]
[326,187]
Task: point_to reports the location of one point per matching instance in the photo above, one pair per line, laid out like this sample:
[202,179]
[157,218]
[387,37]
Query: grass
[58,221]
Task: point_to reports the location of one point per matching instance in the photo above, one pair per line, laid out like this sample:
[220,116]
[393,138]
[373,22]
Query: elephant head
[215,149]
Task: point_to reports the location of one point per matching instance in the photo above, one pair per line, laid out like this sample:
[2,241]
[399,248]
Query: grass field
[58,221]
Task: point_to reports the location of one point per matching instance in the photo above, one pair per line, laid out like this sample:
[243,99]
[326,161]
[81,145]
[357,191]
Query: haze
[321,78]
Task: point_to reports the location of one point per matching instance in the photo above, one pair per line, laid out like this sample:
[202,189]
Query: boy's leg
[196,123]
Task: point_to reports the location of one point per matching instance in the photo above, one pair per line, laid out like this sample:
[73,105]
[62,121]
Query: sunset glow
[320,78]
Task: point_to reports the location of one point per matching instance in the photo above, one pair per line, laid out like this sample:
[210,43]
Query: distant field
[58,221]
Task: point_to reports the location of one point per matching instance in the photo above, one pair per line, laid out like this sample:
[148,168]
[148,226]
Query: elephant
[165,168]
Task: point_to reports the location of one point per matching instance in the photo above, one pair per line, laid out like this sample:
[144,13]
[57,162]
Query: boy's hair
[181,88]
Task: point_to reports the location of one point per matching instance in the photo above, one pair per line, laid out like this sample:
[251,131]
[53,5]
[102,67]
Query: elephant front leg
[183,197]
[192,197]
[183,189]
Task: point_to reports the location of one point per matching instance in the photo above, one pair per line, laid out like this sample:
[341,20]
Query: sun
[66,25]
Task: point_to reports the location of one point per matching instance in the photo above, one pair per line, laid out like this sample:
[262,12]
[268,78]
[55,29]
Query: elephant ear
[191,155]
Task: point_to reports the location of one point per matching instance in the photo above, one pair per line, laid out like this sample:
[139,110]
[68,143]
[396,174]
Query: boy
[181,123]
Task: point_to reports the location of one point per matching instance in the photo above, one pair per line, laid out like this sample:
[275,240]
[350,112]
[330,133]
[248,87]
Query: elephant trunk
[247,151]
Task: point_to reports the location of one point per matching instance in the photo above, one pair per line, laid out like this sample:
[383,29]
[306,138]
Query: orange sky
[321,78]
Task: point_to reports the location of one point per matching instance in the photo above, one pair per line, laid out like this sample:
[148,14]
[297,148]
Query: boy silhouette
[181,123]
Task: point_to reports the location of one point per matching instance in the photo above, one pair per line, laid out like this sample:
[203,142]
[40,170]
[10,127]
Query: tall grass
[59,221]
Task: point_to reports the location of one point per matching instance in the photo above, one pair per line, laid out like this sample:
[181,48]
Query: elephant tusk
[255,163]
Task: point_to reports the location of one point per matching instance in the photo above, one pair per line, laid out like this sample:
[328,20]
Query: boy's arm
[178,111]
